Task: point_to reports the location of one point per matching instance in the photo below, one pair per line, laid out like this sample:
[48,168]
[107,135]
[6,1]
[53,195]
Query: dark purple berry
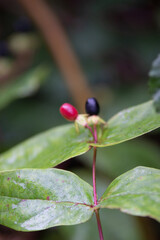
[92,106]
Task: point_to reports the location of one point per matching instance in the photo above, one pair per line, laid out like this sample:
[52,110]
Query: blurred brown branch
[55,37]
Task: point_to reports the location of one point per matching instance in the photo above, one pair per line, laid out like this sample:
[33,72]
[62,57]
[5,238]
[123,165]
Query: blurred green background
[115,43]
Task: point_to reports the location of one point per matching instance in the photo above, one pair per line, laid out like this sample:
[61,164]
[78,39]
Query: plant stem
[99,224]
[95,134]
[94,184]
[90,129]
[95,137]
[94,175]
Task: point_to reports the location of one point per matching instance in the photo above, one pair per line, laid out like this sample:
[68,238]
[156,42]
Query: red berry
[68,112]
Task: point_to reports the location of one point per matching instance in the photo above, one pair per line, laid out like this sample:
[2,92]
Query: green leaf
[59,144]
[24,86]
[35,199]
[154,76]
[130,123]
[126,225]
[135,192]
[156,100]
[47,149]
[154,82]
[117,159]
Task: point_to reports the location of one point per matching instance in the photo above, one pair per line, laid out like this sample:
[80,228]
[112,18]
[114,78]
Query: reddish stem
[90,129]
[95,137]
[95,134]
[99,224]
[94,184]
[94,176]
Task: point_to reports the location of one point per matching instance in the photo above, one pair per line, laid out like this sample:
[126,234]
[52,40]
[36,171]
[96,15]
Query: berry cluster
[91,117]
[70,113]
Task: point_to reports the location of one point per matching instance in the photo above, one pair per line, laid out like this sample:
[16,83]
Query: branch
[55,37]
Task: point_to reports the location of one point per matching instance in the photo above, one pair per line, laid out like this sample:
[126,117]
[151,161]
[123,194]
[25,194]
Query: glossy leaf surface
[47,149]
[61,143]
[130,123]
[35,199]
[126,225]
[24,86]
[117,159]
[135,192]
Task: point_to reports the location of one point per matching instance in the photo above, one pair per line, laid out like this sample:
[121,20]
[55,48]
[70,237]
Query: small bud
[93,120]
[82,119]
